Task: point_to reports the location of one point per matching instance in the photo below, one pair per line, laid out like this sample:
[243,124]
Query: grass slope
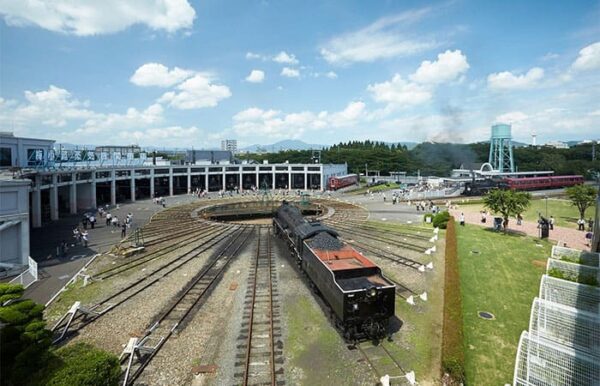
[502,278]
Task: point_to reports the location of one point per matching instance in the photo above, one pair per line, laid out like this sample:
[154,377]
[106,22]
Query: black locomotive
[360,297]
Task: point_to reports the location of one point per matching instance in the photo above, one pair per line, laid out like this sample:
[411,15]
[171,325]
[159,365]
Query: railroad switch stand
[69,317]
[135,348]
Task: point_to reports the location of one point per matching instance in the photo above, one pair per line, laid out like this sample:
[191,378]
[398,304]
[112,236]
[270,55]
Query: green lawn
[499,274]
[564,213]
[376,188]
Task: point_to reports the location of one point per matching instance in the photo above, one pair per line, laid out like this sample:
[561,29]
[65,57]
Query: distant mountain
[287,144]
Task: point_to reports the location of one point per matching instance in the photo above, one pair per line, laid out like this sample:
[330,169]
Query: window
[5,156]
[35,156]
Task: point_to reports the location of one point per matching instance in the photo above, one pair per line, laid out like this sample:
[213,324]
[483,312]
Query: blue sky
[179,73]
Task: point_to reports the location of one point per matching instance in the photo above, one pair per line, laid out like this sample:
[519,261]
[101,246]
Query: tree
[24,339]
[581,196]
[506,202]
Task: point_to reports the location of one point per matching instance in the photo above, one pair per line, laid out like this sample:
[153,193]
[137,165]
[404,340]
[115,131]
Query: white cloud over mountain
[91,17]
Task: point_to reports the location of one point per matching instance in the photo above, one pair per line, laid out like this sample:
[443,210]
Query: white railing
[29,276]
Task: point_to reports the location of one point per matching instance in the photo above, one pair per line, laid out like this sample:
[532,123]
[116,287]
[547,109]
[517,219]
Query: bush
[441,220]
[453,356]
[84,365]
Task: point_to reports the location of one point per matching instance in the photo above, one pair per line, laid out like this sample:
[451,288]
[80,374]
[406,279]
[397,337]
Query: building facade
[229,145]
[20,152]
[14,222]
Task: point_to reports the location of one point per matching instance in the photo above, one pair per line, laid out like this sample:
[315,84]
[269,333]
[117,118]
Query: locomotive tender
[360,297]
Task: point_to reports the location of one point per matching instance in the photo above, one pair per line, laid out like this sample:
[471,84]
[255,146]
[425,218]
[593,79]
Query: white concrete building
[14,222]
[23,152]
[229,145]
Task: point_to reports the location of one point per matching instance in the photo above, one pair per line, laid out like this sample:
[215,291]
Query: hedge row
[453,356]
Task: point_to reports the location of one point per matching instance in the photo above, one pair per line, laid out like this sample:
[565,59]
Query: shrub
[85,365]
[441,220]
[453,356]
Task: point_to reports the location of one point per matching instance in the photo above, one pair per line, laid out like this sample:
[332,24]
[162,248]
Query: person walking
[84,222]
[519,219]
[590,225]
[115,221]
[108,218]
[551,223]
[84,238]
[123,230]
[581,224]
[462,219]
[92,221]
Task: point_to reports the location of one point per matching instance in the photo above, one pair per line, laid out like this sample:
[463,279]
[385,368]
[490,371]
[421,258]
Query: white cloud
[588,59]
[256,76]
[196,92]
[255,122]
[156,74]
[512,117]
[175,136]
[508,81]
[290,72]
[285,58]
[399,92]
[92,17]
[382,39]
[105,124]
[331,75]
[448,66]
[252,55]
[53,107]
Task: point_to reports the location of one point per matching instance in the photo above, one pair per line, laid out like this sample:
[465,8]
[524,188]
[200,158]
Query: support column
[241,181]
[170,181]
[132,185]
[273,179]
[152,183]
[113,187]
[189,179]
[257,185]
[73,194]
[305,181]
[93,198]
[36,205]
[25,240]
[54,199]
[206,180]
[289,179]
[223,179]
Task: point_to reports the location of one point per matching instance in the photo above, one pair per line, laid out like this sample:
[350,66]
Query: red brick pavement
[572,237]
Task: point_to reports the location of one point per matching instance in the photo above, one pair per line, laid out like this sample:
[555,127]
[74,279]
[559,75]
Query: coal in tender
[326,242]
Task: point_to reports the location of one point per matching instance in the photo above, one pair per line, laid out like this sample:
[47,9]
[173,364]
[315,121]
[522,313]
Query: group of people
[160,201]
[581,224]
[81,236]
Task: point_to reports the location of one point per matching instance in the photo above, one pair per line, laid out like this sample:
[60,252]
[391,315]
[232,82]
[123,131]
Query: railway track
[383,363]
[261,355]
[146,258]
[394,257]
[176,315]
[373,236]
[74,321]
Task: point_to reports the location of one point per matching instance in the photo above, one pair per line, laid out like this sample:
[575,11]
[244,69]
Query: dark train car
[338,182]
[359,296]
[550,182]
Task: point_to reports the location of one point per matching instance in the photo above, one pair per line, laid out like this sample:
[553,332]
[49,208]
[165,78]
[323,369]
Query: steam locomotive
[359,296]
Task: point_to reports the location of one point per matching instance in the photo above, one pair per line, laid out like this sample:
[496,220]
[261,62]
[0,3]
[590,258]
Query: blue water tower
[501,154]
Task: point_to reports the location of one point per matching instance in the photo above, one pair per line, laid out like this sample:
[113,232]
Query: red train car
[338,182]
[533,183]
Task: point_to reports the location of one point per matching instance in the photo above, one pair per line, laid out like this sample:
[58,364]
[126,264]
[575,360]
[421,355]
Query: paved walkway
[55,272]
[572,237]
